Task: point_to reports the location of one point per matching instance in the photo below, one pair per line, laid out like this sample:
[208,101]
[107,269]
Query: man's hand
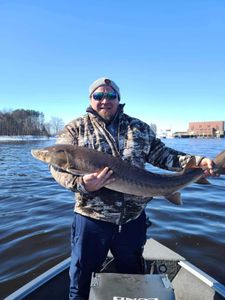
[95,181]
[207,164]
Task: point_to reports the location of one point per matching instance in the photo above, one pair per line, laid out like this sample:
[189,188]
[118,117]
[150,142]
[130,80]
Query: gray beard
[107,117]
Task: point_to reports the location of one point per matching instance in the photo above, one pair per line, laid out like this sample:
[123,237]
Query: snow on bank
[24,138]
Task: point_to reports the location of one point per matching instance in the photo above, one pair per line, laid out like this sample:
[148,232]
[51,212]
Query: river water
[36,213]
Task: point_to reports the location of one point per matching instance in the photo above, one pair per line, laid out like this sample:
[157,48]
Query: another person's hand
[95,181]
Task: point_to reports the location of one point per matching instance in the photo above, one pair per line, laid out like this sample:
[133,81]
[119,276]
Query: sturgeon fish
[129,179]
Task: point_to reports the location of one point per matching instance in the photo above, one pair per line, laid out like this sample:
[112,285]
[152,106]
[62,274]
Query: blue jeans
[91,241]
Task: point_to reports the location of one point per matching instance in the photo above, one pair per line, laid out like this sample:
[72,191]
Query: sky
[167,57]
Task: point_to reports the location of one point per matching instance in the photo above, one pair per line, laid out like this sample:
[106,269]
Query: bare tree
[55,125]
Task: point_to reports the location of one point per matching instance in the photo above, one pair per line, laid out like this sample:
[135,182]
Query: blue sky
[168,57]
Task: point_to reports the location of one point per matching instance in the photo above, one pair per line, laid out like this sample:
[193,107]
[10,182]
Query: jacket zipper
[123,202]
[116,146]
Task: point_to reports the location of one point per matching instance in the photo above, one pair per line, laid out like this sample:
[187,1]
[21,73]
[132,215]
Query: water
[36,214]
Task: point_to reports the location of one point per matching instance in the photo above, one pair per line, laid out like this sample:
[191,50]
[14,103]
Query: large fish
[129,179]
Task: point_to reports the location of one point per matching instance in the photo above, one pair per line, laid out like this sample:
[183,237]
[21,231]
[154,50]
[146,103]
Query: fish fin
[175,198]
[202,180]
[220,162]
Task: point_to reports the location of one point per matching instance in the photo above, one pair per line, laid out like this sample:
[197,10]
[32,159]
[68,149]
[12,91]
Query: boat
[168,276]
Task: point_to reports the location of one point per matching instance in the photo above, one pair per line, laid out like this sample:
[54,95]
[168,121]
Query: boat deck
[188,282]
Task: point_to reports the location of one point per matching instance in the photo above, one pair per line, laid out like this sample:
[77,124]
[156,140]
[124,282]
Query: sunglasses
[98,96]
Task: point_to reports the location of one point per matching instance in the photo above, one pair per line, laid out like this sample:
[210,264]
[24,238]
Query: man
[105,219]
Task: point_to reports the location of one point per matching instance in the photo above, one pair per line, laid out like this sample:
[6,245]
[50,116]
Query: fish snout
[40,154]
[34,153]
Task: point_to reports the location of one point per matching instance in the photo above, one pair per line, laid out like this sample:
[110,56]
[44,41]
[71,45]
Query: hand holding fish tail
[208,166]
[95,181]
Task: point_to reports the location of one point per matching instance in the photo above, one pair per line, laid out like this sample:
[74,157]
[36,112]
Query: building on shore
[197,129]
[206,129]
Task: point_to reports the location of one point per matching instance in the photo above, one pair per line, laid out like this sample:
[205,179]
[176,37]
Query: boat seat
[130,287]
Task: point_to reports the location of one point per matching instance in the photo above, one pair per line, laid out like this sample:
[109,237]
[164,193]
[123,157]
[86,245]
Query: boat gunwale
[34,284]
[204,277]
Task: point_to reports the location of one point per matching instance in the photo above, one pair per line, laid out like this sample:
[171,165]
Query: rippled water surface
[36,213]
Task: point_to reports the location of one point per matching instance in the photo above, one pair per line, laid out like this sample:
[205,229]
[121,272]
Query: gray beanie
[101,82]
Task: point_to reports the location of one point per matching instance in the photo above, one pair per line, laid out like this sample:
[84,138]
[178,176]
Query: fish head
[42,154]
[54,155]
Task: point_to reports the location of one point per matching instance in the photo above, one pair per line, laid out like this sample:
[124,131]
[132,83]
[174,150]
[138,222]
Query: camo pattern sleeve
[65,179]
[167,158]
[74,183]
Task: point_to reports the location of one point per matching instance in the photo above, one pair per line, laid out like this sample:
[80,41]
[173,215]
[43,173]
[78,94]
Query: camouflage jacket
[133,141]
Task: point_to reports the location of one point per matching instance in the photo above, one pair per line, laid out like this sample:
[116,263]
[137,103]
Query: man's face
[105,107]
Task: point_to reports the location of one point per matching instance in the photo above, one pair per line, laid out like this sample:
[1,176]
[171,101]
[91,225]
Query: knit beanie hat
[102,82]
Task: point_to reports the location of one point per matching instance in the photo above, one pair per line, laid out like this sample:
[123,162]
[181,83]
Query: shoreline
[5,138]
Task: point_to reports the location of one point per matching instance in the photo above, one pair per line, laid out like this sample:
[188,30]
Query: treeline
[24,122]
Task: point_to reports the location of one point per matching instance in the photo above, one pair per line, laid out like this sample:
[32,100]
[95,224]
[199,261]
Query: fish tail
[220,163]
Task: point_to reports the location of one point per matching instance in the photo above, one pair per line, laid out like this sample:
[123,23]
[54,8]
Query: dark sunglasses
[98,96]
